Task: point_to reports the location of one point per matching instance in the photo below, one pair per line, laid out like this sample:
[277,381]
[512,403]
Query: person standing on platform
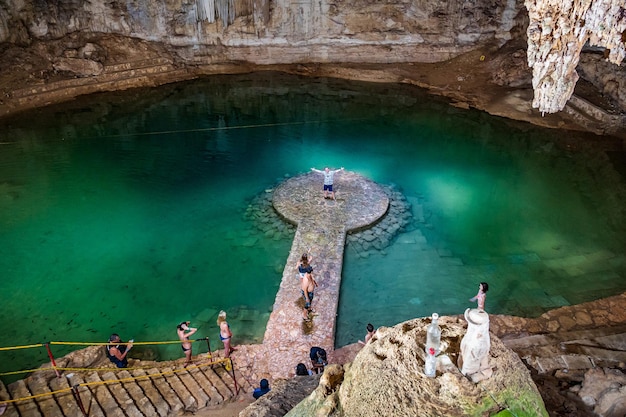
[225,333]
[483,287]
[184,331]
[328,180]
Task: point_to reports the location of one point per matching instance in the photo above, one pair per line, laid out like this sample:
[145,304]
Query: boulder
[387,378]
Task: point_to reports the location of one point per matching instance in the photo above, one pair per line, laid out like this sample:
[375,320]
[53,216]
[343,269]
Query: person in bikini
[304,265]
[184,331]
[307,288]
[225,333]
[483,287]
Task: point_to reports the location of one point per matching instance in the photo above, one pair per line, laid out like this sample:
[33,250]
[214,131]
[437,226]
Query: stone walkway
[322,225]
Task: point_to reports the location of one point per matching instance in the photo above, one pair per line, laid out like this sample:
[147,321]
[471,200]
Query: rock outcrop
[387,378]
[557,33]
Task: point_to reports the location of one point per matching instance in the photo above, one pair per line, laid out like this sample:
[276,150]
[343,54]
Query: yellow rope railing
[38,345]
[225,361]
[21,347]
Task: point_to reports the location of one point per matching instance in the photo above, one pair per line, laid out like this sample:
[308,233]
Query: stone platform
[322,225]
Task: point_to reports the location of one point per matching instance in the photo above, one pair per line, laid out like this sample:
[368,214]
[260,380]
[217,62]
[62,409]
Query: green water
[125,212]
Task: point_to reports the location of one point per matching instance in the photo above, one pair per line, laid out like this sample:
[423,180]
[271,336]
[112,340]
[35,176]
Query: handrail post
[52,361]
[79,400]
[208,344]
[232,369]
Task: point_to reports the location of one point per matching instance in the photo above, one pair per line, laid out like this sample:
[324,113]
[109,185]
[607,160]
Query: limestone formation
[230,36]
[386,378]
[558,31]
[223,31]
[605,391]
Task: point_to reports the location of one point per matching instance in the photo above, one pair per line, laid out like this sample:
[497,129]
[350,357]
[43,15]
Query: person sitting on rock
[264,388]
[117,352]
[318,359]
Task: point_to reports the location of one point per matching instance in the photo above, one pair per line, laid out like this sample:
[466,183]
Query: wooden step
[219,385]
[38,383]
[66,401]
[28,408]
[101,392]
[175,404]
[137,395]
[189,402]
[215,397]
[151,392]
[192,386]
[11,410]
[86,394]
[164,391]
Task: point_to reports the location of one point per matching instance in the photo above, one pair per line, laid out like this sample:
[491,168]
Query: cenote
[125,212]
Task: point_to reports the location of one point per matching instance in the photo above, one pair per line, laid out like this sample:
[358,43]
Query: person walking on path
[184,331]
[307,289]
[328,180]
[304,265]
[225,333]
[483,287]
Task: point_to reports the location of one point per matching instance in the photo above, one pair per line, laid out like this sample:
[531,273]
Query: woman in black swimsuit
[184,331]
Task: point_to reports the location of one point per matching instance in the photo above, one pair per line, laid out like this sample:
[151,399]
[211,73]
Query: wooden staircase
[147,389]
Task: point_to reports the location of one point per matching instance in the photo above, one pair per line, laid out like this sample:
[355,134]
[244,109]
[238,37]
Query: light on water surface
[127,212]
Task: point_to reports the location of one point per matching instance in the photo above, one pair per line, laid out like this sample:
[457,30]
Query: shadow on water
[130,212]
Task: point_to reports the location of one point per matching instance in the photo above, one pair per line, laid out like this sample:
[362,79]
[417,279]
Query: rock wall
[269,32]
[256,30]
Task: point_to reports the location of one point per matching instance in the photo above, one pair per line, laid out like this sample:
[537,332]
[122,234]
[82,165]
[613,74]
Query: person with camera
[117,352]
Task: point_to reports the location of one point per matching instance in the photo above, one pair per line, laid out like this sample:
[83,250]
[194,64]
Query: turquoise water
[125,212]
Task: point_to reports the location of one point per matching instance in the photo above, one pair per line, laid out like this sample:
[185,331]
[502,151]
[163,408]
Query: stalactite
[221,7]
[243,8]
[557,32]
[262,10]
[206,10]
[231,11]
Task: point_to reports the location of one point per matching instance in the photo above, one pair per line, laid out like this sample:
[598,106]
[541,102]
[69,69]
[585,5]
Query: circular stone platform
[360,201]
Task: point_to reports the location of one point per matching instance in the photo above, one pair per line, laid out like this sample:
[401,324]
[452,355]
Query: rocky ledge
[575,355]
